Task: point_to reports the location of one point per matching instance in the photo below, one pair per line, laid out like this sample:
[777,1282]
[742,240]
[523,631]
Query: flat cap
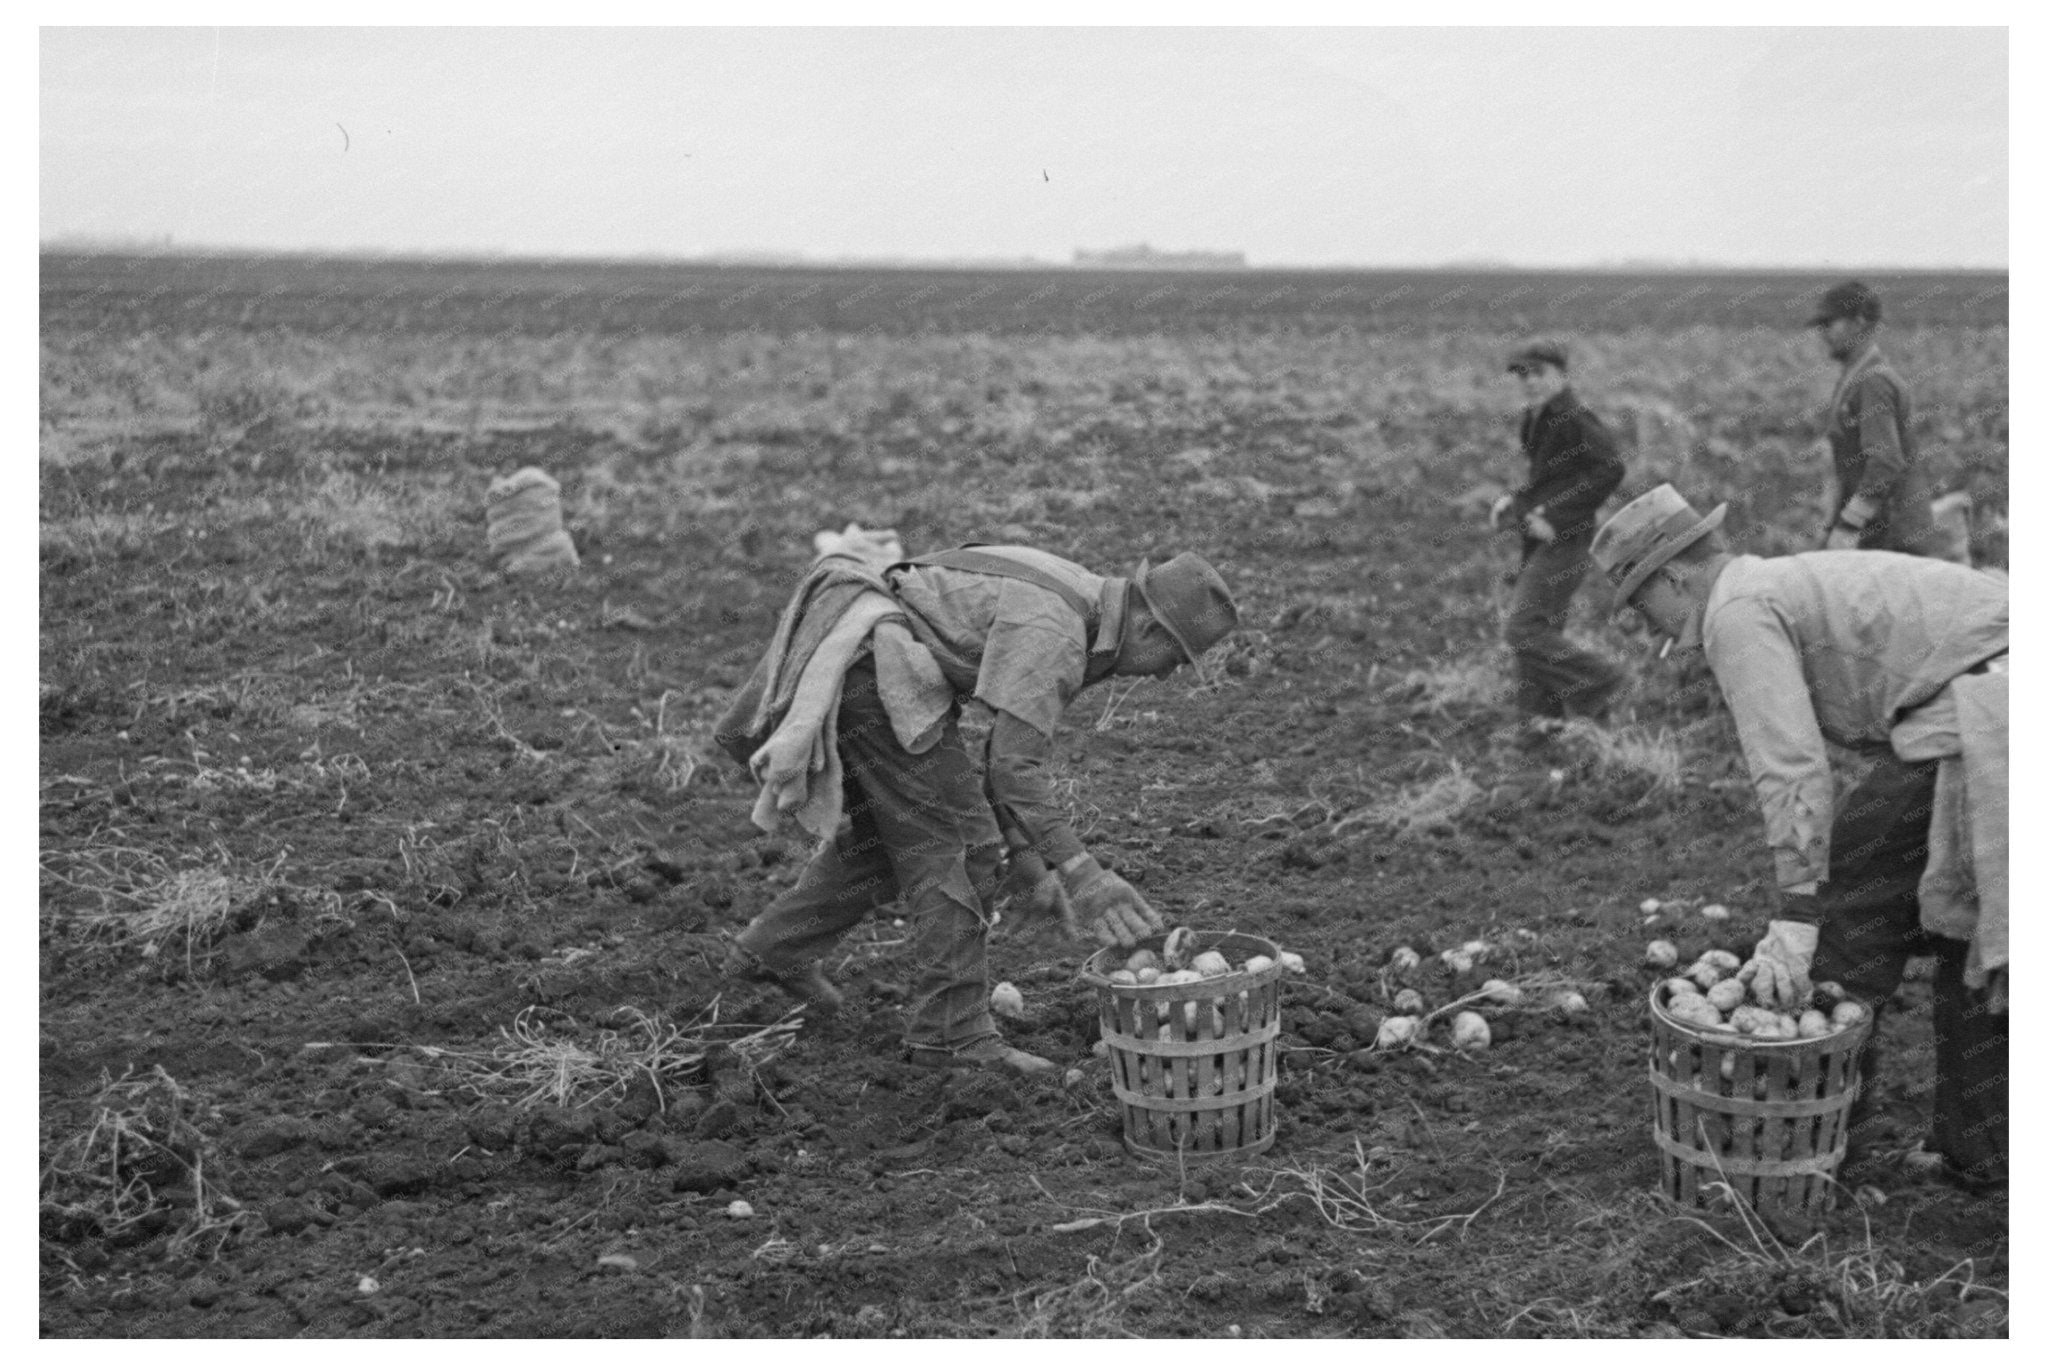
[1530,354]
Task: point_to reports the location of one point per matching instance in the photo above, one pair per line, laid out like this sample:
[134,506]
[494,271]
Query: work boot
[809,985]
[986,1054]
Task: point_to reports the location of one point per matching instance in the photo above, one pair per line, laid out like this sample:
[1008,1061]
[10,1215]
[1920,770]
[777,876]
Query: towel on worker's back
[1963,893]
[783,722]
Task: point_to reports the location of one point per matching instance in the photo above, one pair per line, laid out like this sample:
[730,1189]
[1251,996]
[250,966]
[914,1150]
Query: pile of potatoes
[1176,963]
[1710,996]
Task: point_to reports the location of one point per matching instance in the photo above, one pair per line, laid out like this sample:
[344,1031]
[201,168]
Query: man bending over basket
[850,723]
[1904,659]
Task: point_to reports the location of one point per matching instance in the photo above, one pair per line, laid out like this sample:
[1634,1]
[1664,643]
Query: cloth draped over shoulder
[1963,893]
[782,723]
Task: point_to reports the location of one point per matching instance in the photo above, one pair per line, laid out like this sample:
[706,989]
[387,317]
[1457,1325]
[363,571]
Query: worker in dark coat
[1573,467]
[1881,497]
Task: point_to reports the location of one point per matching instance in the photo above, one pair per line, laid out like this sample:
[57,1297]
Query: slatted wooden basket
[1769,1120]
[1194,1065]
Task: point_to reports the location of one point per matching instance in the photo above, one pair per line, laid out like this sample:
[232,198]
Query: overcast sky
[1837,147]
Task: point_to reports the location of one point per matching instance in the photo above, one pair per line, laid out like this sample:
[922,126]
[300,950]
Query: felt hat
[1189,598]
[1642,538]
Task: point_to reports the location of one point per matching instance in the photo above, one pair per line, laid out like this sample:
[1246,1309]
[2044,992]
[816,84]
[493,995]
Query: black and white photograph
[1072,675]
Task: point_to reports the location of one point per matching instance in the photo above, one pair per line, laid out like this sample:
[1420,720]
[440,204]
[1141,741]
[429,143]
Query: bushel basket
[1194,1064]
[1767,1119]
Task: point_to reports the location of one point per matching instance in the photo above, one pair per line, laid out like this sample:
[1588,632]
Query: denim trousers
[1870,925]
[1553,677]
[917,828]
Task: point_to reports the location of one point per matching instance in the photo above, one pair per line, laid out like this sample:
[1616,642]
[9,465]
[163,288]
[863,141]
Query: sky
[1836,147]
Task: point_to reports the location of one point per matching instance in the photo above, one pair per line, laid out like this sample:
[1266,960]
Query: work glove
[1107,905]
[1036,895]
[1779,970]
[1536,526]
[1994,992]
[1502,505]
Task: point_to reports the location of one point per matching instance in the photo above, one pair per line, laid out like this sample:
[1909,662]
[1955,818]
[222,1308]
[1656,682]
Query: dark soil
[453,802]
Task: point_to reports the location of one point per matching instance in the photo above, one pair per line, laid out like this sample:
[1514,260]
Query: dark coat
[1573,465]
[1870,432]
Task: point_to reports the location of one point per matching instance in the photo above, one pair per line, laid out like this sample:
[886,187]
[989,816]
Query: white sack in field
[524,523]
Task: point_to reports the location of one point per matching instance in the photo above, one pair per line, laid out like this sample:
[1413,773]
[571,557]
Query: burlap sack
[523,523]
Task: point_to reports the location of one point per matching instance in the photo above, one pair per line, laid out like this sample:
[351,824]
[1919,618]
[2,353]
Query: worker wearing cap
[1903,659]
[1573,467]
[1881,493]
[853,713]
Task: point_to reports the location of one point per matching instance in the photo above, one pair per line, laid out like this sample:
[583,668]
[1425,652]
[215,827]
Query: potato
[1291,962]
[1148,976]
[1123,977]
[1848,1014]
[1694,1010]
[1675,986]
[1457,961]
[1722,959]
[1713,912]
[1409,1002]
[1397,1030]
[1813,1024]
[1569,1002]
[1211,964]
[1475,948]
[1404,959]
[1726,995]
[1748,1018]
[1258,964]
[1502,992]
[1661,953]
[1469,1032]
[1140,960]
[1006,1000]
[1704,974]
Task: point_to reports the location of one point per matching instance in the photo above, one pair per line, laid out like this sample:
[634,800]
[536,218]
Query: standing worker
[1904,659]
[1573,466]
[853,712]
[1881,497]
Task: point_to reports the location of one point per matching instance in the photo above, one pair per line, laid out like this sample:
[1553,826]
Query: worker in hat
[1881,501]
[1573,467]
[1899,657]
[850,723]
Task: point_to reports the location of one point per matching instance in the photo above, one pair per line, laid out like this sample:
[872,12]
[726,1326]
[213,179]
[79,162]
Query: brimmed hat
[1530,354]
[1642,538]
[1853,299]
[1189,598]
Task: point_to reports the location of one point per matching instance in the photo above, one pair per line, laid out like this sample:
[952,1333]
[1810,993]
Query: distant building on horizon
[1143,257]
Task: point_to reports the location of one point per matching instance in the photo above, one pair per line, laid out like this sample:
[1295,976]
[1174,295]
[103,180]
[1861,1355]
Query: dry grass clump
[1424,807]
[1632,751]
[131,898]
[1479,681]
[138,1161]
[1853,1291]
[534,1064]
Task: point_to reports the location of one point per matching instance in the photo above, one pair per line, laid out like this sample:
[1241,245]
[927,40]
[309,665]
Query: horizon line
[86,245]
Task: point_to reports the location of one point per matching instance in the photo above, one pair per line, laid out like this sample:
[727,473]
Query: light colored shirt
[1023,651]
[1836,645]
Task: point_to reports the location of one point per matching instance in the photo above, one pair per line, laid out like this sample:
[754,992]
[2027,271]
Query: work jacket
[1573,465]
[1870,433]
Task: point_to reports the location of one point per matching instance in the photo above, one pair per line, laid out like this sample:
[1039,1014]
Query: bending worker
[853,712]
[1904,659]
